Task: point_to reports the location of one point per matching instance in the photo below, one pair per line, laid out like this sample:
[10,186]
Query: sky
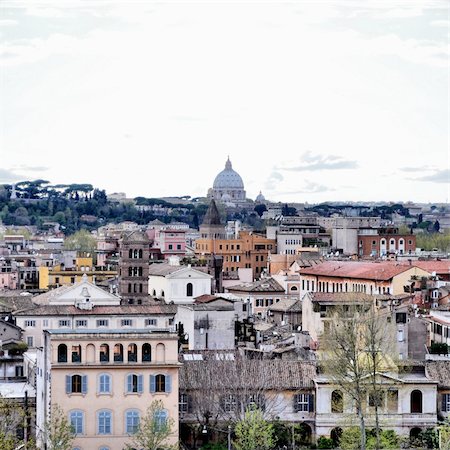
[313,101]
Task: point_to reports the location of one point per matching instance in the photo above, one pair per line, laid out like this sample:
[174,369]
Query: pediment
[189,272]
[82,291]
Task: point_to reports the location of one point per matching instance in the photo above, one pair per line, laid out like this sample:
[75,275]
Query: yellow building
[104,381]
[56,276]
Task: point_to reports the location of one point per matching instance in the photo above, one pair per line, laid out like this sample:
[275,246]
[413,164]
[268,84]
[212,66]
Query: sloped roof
[285,305]
[135,236]
[163,269]
[125,310]
[212,216]
[247,373]
[379,271]
[440,267]
[264,285]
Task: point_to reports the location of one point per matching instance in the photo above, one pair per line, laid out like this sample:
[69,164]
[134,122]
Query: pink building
[9,279]
[172,242]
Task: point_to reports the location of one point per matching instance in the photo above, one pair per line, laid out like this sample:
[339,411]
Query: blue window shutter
[84,384]
[152,383]
[139,385]
[168,383]
[68,384]
[129,383]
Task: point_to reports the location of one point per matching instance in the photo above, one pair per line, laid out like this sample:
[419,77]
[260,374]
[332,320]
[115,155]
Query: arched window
[76,353]
[76,419]
[189,290]
[132,352]
[104,353]
[337,402]
[335,436]
[104,383]
[140,253]
[135,254]
[140,271]
[294,288]
[154,293]
[130,253]
[146,352]
[132,419]
[160,352]
[129,287]
[104,422]
[62,353]
[118,353]
[134,384]
[416,401]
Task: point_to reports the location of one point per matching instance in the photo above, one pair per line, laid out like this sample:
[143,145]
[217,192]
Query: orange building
[248,250]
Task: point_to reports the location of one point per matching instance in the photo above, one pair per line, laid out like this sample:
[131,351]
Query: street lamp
[227,431]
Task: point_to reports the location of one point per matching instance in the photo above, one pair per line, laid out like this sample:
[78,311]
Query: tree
[12,418]
[155,429]
[254,432]
[58,432]
[355,352]
[82,241]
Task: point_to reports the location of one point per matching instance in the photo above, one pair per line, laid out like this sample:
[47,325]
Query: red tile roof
[379,271]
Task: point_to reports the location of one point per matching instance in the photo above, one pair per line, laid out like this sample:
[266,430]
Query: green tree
[58,431]
[253,432]
[82,241]
[154,431]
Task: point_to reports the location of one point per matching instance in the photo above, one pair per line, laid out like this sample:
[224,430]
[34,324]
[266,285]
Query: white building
[176,283]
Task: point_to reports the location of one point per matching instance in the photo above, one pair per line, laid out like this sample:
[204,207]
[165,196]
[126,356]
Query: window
[445,402]
[76,353]
[134,384]
[184,403]
[160,383]
[30,323]
[416,402]
[76,384]
[189,290]
[303,402]
[104,353]
[160,419]
[45,323]
[150,322]
[146,352]
[392,400]
[62,353]
[76,419]
[104,422]
[126,322]
[30,341]
[132,353]
[256,401]
[102,322]
[376,398]
[64,323]
[81,323]
[118,353]
[132,421]
[337,402]
[104,383]
[229,403]
[400,318]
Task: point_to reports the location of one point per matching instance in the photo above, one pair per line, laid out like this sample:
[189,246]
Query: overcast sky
[313,100]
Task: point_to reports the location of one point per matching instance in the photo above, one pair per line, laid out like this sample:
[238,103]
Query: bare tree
[358,347]
[222,386]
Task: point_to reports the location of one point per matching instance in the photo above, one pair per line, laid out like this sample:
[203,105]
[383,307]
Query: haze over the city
[313,101]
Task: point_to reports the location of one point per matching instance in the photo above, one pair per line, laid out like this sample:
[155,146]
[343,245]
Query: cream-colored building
[104,381]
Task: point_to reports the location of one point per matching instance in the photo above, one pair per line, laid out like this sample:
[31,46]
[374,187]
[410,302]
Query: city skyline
[313,102]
